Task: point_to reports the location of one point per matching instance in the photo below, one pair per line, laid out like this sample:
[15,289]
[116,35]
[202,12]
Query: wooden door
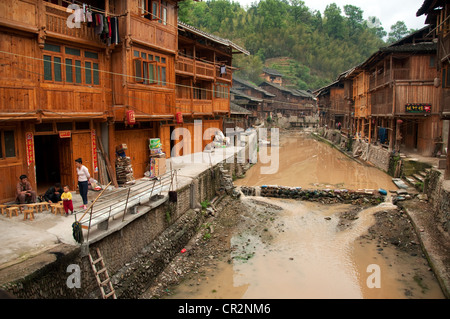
[165,139]
[82,148]
[66,163]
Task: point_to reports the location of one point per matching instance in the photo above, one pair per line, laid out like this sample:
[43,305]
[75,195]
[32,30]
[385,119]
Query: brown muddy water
[302,253]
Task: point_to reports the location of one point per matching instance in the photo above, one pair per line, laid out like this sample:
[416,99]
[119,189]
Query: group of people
[55,194]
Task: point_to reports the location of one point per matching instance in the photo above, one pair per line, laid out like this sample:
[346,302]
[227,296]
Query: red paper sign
[130,117]
[30,148]
[94,150]
[65,134]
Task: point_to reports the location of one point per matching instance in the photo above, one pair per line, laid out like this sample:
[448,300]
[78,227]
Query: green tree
[398,31]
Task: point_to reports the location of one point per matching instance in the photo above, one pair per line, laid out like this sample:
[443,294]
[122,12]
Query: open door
[66,163]
[82,147]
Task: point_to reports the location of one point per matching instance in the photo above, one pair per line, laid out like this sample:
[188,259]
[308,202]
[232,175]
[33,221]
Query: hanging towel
[114,30]
[99,24]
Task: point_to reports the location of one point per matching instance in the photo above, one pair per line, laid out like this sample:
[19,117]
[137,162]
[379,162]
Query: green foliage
[319,46]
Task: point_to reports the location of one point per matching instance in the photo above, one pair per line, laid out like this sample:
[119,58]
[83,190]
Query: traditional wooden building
[77,79]
[332,106]
[403,96]
[288,101]
[272,76]
[253,98]
[438,17]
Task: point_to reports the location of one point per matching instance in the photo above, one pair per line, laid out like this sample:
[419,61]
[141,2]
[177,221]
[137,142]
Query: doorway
[47,161]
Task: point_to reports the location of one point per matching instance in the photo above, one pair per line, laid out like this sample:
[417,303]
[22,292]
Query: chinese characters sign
[30,148]
[94,150]
[418,108]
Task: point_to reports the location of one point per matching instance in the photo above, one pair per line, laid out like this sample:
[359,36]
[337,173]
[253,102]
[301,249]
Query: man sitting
[24,192]
[53,194]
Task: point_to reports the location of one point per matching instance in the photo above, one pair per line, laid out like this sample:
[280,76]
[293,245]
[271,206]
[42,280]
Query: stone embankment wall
[137,253]
[328,196]
[438,193]
[377,155]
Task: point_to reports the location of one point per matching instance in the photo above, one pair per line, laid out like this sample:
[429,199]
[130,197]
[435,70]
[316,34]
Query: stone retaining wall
[357,197]
[438,193]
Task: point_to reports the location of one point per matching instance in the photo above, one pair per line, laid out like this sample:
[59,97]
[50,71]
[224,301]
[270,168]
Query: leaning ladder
[105,284]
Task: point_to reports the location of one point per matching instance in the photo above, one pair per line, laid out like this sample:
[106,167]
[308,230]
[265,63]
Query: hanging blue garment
[382,134]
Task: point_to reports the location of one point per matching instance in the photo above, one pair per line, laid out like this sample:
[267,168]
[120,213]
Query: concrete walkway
[22,239]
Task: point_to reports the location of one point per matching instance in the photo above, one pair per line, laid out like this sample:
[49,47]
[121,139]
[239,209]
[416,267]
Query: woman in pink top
[83,177]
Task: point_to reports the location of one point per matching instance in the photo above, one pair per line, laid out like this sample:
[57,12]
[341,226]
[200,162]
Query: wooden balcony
[204,70]
[56,19]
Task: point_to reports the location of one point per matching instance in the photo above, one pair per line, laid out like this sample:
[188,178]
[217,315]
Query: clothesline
[94,9]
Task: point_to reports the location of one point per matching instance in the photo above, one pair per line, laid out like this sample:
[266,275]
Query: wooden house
[253,98]
[288,101]
[395,95]
[438,17]
[78,79]
[332,106]
[272,76]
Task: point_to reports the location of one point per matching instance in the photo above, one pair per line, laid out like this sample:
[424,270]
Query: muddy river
[301,252]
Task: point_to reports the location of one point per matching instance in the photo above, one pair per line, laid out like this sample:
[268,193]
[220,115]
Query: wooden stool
[44,204]
[3,208]
[12,210]
[36,206]
[28,212]
[57,208]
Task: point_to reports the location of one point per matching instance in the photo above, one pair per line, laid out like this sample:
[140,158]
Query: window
[150,68]
[221,91]
[7,143]
[155,10]
[445,77]
[202,90]
[70,65]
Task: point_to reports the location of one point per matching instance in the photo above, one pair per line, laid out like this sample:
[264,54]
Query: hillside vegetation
[308,47]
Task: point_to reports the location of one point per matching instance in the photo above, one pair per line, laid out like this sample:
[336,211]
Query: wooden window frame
[142,67]
[78,66]
[3,144]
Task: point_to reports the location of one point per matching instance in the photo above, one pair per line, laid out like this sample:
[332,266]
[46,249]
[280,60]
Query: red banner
[94,150]
[30,148]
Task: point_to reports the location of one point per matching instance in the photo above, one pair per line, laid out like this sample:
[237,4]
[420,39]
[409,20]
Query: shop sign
[179,117]
[130,118]
[418,108]
[65,134]
[30,148]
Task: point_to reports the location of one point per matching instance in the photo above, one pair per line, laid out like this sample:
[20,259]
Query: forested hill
[309,47]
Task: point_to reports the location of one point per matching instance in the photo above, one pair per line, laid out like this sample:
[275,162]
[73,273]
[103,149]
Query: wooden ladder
[105,284]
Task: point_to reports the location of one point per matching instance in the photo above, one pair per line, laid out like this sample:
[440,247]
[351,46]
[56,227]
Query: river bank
[248,230]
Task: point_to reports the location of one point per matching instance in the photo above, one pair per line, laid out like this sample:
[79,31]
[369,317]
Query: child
[67,200]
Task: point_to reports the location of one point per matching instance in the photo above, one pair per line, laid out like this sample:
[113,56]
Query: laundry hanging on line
[106,27]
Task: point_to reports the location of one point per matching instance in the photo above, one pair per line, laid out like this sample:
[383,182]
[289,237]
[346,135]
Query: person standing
[24,192]
[83,178]
[67,200]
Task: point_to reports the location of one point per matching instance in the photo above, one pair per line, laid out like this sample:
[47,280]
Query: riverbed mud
[251,239]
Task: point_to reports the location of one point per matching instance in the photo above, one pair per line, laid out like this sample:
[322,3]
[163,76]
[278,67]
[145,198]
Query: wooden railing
[201,69]
[56,21]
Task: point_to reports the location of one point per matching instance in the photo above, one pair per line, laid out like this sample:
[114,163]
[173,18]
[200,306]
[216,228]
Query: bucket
[155,143]
[172,196]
